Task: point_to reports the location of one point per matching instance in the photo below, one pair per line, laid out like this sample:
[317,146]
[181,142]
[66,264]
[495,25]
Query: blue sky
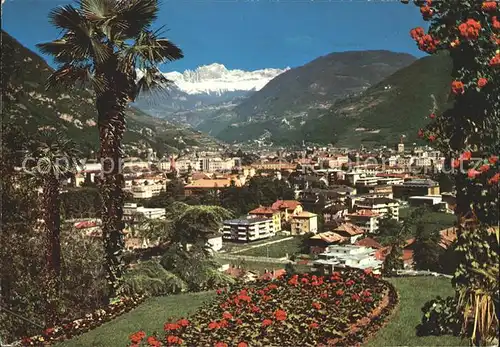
[251,35]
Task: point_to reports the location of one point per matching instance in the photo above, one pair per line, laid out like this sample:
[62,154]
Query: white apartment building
[214,164]
[346,256]
[380,206]
[250,229]
[365,219]
[146,191]
[132,209]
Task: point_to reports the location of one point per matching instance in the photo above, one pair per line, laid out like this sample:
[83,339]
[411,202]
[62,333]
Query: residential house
[365,219]
[381,206]
[350,232]
[320,242]
[415,187]
[368,242]
[346,256]
[267,212]
[131,210]
[205,185]
[287,208]
[146,191]
[304,223]
[248,229]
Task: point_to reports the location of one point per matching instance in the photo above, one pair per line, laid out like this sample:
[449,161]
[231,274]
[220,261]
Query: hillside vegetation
[73,111]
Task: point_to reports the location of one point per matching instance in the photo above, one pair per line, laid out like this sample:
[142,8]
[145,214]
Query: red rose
[432,138]
[239,322]
[456,163]
[466,155]
[457,87]
[152,341]
[494,179]
[171,326]
[266,322]
[355,297]
[324,295]
[227,315]
[313,325]
[280,315]
[489,6]
[472,173]
[484,168]
[183,322]
[432,116]
[220,344]
[339,292]
[213,325]
[495,61]
[316,305]
[426,12]
[172,340]
[493,159]
[470,29]
[482,82]
[242,344]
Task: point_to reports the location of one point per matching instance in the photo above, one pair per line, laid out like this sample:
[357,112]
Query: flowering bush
[299,310]
[90,321]
[468,134]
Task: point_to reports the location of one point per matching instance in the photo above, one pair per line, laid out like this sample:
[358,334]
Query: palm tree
[103,45]
[56,158]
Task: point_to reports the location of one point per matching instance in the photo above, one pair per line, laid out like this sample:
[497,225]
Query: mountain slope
[73,111]
[396,105]
[293,95]
[199,92]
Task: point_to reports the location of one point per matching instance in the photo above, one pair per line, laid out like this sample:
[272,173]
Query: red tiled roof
[285,204]
[367,213]
[350,229]
[263,210]
[329,237]
[368,242]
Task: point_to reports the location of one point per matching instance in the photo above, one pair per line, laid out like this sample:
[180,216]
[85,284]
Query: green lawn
[149,317]
[400,331]
[414,292]
[275,250]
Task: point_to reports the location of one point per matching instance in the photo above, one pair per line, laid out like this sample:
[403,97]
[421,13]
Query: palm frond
[67,18]
[70,75]
[151,81]
[132,17]
[97,10]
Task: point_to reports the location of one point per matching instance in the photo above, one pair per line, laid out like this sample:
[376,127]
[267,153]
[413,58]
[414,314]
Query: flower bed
[79,326]
[303,310]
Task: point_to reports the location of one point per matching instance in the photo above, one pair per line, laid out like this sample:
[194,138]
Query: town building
[304,223]
[381,206]
[132,210]
[415,187]
[346,256]
[146,191]
[365,219]
[249,229]
[204,185]
[267,212]
[287,208]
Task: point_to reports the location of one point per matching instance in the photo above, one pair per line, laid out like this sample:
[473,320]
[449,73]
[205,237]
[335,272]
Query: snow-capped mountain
[206,89]
[217,79]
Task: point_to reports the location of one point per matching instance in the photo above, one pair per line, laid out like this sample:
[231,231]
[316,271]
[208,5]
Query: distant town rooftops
[304,214]
[285,204]
[363,213]
[263,210]
[420,182]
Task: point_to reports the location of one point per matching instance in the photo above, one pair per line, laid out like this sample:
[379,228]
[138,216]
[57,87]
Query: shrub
[440,318]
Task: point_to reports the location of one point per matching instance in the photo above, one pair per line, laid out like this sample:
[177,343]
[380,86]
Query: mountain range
[73,111]
[349,98]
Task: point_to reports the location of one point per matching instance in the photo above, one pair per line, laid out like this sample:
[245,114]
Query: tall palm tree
[55,158]
[103,45]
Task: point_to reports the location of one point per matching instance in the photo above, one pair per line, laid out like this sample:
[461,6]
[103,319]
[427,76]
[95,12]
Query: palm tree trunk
[111,129]
[52,221]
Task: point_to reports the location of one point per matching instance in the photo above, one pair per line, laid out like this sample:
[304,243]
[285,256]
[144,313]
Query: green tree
[103,44]
[426,252]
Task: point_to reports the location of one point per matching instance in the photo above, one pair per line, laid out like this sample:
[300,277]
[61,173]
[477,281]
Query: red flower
[457,87]
[432,138]
[417,32]
[495,61]
[456,163]
[495,22]
[152,341]
[219,292]
[489,6]
[432,116]
[337,302]
[239,321]
[223,323]
[48,331]
[455,43]
[470,29]
[242,344]
[494,179]
[339,292]
[266,322]
[172,340]
[367,293]
[213,325]
[355,297]
[171,326]
[244,298]
[183,322]
[472,173]
[427,43]
[280,315]
[420,133]
[493,159]
[426,12]
[304,280]
[220,344]
[137,337]
[316,305]
[266,298]
[482,82]
[484,168]
[324,295]
[272,286]
[255,309]
[466,155]
[227,315]
[313,325]
[349,283]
